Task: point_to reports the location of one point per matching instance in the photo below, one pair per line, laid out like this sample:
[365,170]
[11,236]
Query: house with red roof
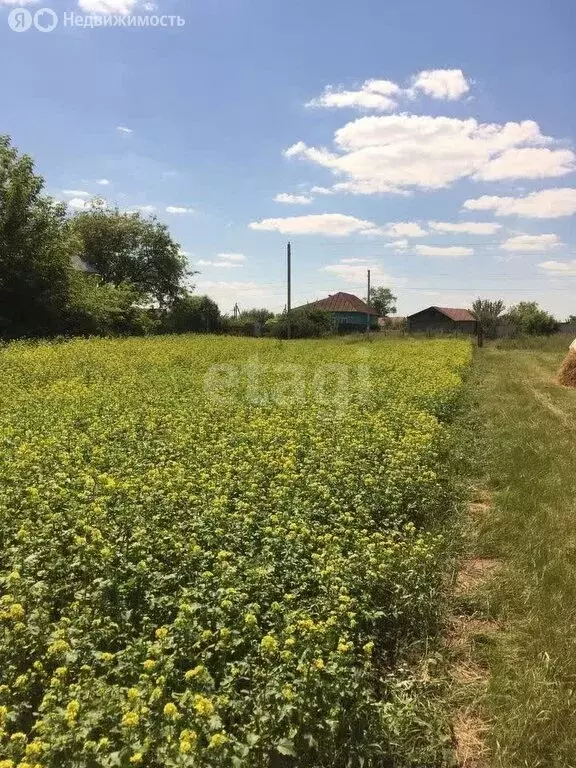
[348,312]
[442,320]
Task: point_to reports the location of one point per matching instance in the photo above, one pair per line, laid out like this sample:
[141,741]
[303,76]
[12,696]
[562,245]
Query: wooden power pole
[368,302]
[289,286]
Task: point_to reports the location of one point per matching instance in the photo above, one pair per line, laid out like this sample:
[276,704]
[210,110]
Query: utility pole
[368,302]
[289,297]
[236,311]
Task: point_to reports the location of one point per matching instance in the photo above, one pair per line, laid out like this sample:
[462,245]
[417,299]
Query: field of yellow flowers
[216,551]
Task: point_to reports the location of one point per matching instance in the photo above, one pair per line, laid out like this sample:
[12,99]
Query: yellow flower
[133,694]
[107,657]
[136,758]
[171,711]
[72,711]
[162,633]
[17,612]
[218,740]
[368,648]
[130,719]
[250,620]
[288,692]
[6,764]
[193,673]
[269,644]
[58,648]
[3,714]
[149,665]
[344,647]
[187,740]
[203,706]
[318,663]
[35,749]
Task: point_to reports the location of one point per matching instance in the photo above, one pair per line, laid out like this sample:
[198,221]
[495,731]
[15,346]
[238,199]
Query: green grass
[530,450]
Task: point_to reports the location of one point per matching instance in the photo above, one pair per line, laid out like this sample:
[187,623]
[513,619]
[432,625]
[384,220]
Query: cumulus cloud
[449,252]
[559,268]
[524,243]
[373,94]
[399,153]
[176,210]
[285,197]
[546,204]
[449,84]
[528,163]
[232,256]
[398,245]
[103,182]
[75,193]
[465,227]
[108,6]
[333,224]
[385,95]
[122,128]
[402,229]
[77,204]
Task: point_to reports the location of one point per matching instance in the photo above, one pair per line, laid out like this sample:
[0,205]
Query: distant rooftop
[341,302]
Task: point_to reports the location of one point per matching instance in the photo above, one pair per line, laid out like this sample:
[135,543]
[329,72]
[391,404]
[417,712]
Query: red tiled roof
[458,315]
[342,302]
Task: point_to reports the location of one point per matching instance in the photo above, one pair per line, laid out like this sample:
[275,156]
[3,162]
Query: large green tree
[36,248]
[131,248]
[529,318]
[383,301]
[488,313]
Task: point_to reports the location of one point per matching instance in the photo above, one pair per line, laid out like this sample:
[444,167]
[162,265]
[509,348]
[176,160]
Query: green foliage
[36,247]
[488,313]
[257,315]
[529,318]
[223,552]
[192,314]
[127,247]
[103,309]
[304,324]
[383,301]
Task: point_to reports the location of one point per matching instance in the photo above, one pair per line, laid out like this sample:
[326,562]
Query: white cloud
[398,245]
[384,95]
[221,264]
[546,204]
[103,182]
[18,2]
[529,163]
[75,193]
[77,204]
[465,227]
[526,243]
[285,197]
[449,252]
[232,256]
[404,229]
[178,211]
[373,94]
[356,274]
[108,6]
[355,260]
[450,84]
[227,293]
[397,153]
[144,208]
[333,224]
[559,268]
[120,128]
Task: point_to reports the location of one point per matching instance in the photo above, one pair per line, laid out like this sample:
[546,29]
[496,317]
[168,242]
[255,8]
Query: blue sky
[431,142]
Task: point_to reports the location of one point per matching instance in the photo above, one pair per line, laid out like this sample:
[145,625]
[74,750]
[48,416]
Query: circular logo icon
[45,20]
[20,20]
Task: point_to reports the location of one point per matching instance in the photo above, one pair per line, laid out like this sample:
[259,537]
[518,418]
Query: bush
[304,324]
